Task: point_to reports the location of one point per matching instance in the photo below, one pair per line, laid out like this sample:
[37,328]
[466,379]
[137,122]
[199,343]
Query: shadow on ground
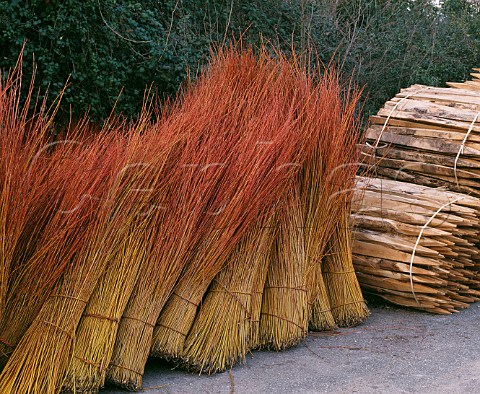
[396,351]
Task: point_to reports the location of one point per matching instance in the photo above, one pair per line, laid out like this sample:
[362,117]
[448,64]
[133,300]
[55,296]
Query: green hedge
[104,46]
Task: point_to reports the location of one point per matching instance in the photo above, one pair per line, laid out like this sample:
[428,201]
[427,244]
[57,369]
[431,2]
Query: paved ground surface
[395,351]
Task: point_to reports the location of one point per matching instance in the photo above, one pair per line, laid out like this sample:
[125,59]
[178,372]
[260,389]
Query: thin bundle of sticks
[22,186]
[71,204]
[150,169]
[174,212]
[430,136]
[284,314]
[258,286]
[325,185]
[45,214]
[234,127]
[265,120]
[346,300]
[415,245]
[57,319]
[227,323]
[19,137]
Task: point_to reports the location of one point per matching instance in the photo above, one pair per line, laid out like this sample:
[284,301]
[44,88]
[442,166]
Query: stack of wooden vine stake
[417,216]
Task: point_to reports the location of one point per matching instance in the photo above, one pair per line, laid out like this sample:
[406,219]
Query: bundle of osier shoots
[52,333]
[346,300]
[253,183]
[97,331]
[202,112]
[284,314]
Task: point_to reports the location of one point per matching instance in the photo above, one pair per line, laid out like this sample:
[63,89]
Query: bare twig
[228,23]
[116,32]
[171,24]
[232,382]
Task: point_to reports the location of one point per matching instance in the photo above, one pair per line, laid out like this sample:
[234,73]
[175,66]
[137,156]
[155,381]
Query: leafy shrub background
[104,46]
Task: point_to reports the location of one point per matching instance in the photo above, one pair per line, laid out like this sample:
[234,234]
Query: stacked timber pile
[217,227]
[473,85]
[406,251]
[415,245]
[429,136]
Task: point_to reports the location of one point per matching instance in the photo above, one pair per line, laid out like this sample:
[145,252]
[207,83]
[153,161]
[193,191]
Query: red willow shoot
[98,327]
[253,183]
[227,322]
[326,181]
[21,135]
[30,191]
[205,117]
[318,203]
[68,204]
[345,297]
[52,333]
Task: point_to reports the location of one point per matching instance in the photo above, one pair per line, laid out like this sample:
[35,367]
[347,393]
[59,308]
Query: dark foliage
[102,47]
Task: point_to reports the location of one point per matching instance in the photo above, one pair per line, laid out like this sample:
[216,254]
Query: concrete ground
[395,351]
